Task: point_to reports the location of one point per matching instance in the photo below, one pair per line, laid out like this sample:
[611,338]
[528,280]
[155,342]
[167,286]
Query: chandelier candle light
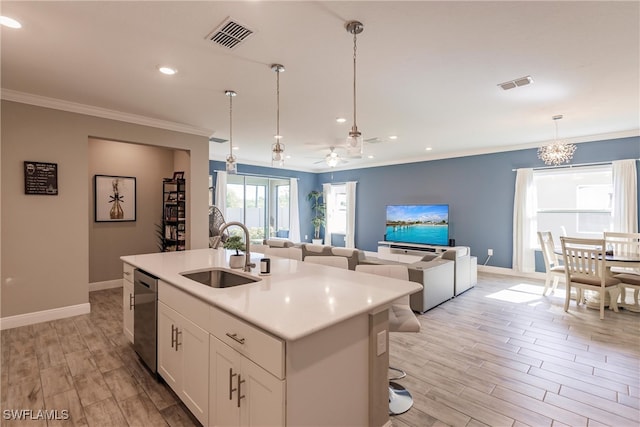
[558,152]
[277,149]
[354,140]
[232,166]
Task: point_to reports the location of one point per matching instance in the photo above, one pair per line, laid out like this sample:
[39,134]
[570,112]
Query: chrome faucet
[247,262]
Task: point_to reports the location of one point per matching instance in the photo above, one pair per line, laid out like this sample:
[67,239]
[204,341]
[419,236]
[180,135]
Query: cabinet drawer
[189,306]
[127,272]
[262,348]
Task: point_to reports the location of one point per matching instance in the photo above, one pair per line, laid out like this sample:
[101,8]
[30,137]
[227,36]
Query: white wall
[45,239]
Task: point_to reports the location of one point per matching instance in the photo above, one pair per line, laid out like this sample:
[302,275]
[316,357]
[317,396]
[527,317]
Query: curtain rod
[339,183]
[259,175]
[572,166]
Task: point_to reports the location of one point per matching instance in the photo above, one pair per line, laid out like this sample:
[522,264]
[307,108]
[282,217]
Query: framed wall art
[115,198]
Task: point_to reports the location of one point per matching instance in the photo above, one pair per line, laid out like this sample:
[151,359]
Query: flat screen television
[421,224]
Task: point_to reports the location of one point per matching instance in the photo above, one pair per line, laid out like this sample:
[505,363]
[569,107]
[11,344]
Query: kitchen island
[305,345]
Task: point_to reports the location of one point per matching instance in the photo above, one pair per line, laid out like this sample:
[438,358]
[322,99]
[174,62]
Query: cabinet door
[223,384]
[169,359]
[264,399]
[193,344]
[127,307]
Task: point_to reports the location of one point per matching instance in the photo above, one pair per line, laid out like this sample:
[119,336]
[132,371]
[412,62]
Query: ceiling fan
[332,159]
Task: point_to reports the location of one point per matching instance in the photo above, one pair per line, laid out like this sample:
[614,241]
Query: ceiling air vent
[229,34]
[218,140]
[522,81]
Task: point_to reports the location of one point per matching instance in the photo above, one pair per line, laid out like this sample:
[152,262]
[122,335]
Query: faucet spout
[247,262]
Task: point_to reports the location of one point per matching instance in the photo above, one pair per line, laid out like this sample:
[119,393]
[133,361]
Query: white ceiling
[427,71]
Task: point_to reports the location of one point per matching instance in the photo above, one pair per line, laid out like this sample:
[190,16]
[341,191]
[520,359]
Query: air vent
[522,81]
[217,140]
[229,34]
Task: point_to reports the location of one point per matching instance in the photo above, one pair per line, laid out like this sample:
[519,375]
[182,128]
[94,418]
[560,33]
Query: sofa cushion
[278,243]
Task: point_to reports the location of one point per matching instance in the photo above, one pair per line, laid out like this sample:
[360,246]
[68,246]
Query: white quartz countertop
[295,300]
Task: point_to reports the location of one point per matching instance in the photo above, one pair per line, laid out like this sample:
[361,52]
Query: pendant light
[354,140]
[232,165]
[558,152]
[277,149]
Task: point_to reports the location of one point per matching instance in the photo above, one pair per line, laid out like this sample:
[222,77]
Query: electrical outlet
[381,343]
[306,237]
[490,252]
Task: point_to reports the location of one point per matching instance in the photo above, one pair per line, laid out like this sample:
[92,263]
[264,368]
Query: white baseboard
[510,272]
[107,284]
[44,316]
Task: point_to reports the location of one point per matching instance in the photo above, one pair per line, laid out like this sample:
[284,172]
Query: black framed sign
[41,178]
[115,198]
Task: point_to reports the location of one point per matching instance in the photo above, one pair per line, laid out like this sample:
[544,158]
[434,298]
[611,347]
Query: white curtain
[221,192]
[524,222]
[625,196]
[294,213]
[350,238]
[328,201]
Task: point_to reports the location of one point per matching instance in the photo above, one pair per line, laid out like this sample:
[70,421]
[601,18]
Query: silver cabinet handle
[240,395]
[178,334]
[235,338]
[231,389]
[132,301]
[127,273]
[173,339]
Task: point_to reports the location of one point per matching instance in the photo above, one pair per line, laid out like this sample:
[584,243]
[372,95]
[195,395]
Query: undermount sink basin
[220,278]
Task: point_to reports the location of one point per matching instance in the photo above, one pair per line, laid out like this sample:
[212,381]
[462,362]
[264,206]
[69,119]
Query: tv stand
[407,252]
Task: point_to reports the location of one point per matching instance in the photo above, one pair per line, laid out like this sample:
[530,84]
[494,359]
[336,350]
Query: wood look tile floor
[501,354]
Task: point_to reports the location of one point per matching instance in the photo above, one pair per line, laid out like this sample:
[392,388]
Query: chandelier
[277,149]
[558,152]
[354,140]
[232,165]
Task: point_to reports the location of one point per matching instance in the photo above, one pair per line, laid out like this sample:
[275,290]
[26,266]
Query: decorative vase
[236,261]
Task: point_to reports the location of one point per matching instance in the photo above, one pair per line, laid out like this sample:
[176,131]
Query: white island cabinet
[298,347]
[183,348]
[127,301]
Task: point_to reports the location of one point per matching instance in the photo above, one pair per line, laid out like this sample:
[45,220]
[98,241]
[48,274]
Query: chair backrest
[622,243]
[584,260]
[545,238]
[333,261]
[395,271]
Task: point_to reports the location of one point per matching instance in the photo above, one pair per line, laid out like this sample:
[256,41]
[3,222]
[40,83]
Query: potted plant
[235,243]
[318,207]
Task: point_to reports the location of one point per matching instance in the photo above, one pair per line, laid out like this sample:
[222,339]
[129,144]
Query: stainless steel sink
[220,278]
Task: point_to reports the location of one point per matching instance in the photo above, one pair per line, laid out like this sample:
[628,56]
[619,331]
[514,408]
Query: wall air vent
[522,81]
[229,34]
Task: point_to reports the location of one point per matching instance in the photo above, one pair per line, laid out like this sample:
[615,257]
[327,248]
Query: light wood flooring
[499,355]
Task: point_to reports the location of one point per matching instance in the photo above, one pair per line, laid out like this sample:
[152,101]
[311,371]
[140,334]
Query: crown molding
[74,107]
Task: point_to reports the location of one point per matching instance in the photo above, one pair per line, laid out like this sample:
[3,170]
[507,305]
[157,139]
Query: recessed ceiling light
[167,70]
[370,156]
[9,22]
[235,147]
[287,157]
[341,120]
[393,137]
[428,148]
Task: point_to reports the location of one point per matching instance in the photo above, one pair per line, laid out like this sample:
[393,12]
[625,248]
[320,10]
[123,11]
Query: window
[337,214]
[575,201]
[261,203]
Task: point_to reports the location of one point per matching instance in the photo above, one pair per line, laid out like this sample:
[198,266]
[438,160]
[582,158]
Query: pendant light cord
[230,126]
[355,126]
[278,107]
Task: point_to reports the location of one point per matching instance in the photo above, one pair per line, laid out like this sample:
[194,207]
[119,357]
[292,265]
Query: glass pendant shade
[277,154]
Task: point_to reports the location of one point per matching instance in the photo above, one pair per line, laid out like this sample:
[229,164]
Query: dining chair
[625,244]
[555,271]
[401,319]
[584,261]
[333,261]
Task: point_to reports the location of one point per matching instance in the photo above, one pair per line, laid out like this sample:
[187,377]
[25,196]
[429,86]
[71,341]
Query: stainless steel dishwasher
[145,317]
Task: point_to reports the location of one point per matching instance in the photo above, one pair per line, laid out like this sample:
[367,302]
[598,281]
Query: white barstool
[401,319]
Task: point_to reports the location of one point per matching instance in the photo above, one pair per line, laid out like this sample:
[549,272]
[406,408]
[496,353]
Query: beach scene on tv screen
[426,224]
